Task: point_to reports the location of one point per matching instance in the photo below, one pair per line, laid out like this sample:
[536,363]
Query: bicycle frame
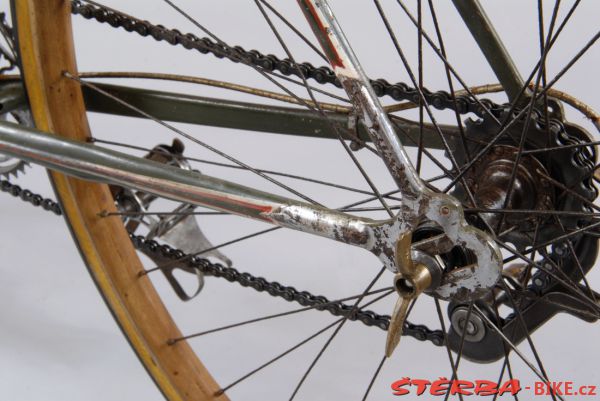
[93,163]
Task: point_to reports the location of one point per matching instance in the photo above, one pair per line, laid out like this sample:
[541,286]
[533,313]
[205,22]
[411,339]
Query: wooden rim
[47,50]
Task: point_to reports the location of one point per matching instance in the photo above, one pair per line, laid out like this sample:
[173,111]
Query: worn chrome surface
[13,102]
[94,163]
[418,202]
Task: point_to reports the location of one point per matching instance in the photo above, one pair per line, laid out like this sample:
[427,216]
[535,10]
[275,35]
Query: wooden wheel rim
[57,106]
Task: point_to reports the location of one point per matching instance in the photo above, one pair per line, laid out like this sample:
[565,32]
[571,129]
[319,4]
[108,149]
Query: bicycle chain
[323,75]
[260,284]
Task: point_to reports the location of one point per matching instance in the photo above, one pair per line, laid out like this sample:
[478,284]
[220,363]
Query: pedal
[179,228]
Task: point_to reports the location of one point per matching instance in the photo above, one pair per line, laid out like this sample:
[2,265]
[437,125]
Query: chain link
[322,75]
[248,280]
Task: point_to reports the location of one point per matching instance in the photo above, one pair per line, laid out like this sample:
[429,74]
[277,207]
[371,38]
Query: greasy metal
[12,96]
[418,202]
[491,45]
[544,295]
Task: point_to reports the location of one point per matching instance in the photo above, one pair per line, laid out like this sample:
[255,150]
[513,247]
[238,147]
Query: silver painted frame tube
[418,202]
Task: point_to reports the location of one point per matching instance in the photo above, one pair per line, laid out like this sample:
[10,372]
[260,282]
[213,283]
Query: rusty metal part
[489,181]
[245,279]
[179,229]
[418,202]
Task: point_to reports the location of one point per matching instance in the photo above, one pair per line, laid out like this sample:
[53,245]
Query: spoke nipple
[219,393]
[171,341]
[103,213]
[142,273]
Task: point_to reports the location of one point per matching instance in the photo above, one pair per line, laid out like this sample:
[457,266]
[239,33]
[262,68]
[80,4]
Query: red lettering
[541,388]
[485,387]
[421,385]
[440,386]
[461,387]
[398,384]
[568,388]
[556,388]
[592,390]
[512,386]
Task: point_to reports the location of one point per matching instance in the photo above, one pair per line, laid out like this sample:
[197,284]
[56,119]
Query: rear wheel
[105,244]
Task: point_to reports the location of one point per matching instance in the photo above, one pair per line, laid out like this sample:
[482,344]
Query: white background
[58,340]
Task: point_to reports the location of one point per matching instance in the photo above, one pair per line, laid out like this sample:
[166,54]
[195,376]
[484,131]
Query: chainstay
[442,100]
[260,284]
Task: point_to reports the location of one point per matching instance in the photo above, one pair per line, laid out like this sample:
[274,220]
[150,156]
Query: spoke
[374,377]
[568,190]
[571,63]
[426,105]
[554,148]
[447,64]
[532,104]
[334,334]
[420,73]
[190,137]
[505,346]
[190,256]
[298,345]
[578,262]
[105,213]
[499,382]
[460,351]
[321,112]
[512,346]
[507,125]
[172,341]
[459,122]
[438,308]
[527,334]
[535,241]
[433,159]
[563,237]
[294,29]
[569,284]
[234,166]
[243,61]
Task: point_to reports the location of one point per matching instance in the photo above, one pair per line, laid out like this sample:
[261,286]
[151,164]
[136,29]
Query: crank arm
[92,162]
